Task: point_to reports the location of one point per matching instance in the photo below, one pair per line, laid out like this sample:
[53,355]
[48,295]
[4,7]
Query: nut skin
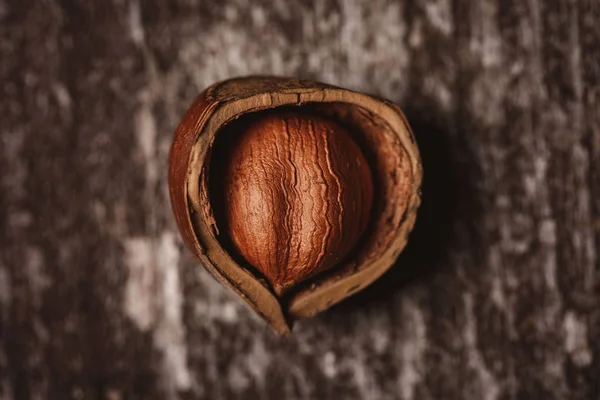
[298,194]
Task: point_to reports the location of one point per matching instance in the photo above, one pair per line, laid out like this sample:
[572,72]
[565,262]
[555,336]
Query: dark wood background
[496,297]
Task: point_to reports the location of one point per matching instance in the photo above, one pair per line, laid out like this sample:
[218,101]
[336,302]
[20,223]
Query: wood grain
[496,297]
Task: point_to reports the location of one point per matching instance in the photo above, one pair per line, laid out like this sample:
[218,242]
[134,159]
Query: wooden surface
[496,297]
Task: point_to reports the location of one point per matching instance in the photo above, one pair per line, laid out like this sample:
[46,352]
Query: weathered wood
[496,297]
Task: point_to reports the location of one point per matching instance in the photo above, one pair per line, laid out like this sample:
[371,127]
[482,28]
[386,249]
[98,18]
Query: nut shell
[377,126]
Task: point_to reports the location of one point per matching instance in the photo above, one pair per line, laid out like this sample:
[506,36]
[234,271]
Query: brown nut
[296,194]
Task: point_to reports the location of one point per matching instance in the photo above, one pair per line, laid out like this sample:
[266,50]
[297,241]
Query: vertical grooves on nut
[287,234]
[295,224]
[313,208]
[271,253]
[312,131]
[337,182]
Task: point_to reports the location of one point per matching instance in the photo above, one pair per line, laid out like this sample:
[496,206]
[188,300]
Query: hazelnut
[296,194]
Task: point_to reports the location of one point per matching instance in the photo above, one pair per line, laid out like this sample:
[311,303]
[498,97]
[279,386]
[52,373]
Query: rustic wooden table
[496,297]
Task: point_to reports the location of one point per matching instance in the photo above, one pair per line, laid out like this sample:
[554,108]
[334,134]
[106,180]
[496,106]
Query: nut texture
[298,194]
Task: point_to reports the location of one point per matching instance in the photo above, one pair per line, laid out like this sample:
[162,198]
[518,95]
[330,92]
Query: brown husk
[378,126]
